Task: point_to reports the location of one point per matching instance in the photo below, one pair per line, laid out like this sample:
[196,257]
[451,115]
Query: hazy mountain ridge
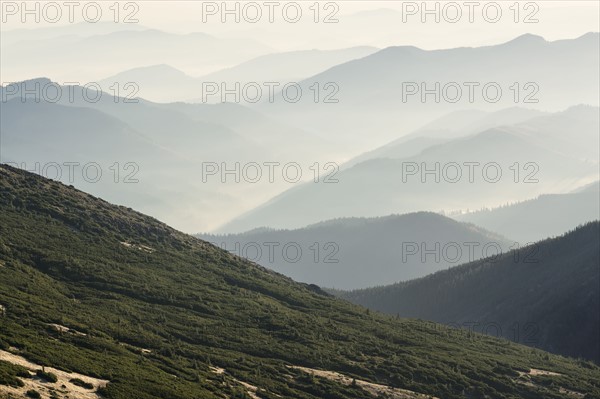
[336,253]
[163,83]
[189,135]
[373,94]
[527,164]
[455,125]
[549,291]
[549,215]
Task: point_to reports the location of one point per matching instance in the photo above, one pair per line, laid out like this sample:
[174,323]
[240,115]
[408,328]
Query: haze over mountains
[196,52]
[531,148]
[222,135]
[334,253]
[549,215]
[507,164]
[548,294]
[384,91]
[352,81]
[451,126]
[163,83]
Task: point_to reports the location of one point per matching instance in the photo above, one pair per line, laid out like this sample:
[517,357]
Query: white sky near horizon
[557,20]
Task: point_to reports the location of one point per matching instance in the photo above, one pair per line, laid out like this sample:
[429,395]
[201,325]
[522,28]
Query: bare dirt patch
[372,388]
[217,370]
[64,329]
[525,379]
[63,388]
[143,248]
[542,372]
[250,389]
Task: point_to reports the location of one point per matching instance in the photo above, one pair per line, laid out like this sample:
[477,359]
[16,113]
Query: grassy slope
[193,305]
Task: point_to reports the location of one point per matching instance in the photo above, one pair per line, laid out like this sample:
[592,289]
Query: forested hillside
[545,295]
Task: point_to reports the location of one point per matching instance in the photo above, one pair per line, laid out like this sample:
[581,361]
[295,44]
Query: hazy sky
[374,23]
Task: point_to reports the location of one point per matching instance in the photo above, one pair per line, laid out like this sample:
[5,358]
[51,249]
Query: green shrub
[48,377]
[9,373]
[81,383]
[33,394]
[23,374]
[103,391]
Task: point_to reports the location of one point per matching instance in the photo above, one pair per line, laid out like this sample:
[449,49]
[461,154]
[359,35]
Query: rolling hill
[287,67]
[546,294]
[160,83]
[452,126]
[164,83]
[144,311]
[549,215]
[121,160]
[507,166]
[182,136]
[71,144]
[334,253]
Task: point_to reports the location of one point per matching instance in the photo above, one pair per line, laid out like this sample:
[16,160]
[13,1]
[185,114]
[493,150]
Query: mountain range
[133,129]
[383,93]
[499,165]
[549,215]
[144,311]
[164,83]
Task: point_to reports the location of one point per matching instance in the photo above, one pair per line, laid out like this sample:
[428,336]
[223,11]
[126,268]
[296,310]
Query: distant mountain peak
[581,111]
[582,107]
[162,68]
[41,80]
[527,38]
[401,49]
[590,35]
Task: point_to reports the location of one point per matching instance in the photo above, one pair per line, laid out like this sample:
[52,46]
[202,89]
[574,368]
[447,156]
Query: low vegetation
[189,320]
[80,383]
[48,377]
[33,394]
[10,373]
